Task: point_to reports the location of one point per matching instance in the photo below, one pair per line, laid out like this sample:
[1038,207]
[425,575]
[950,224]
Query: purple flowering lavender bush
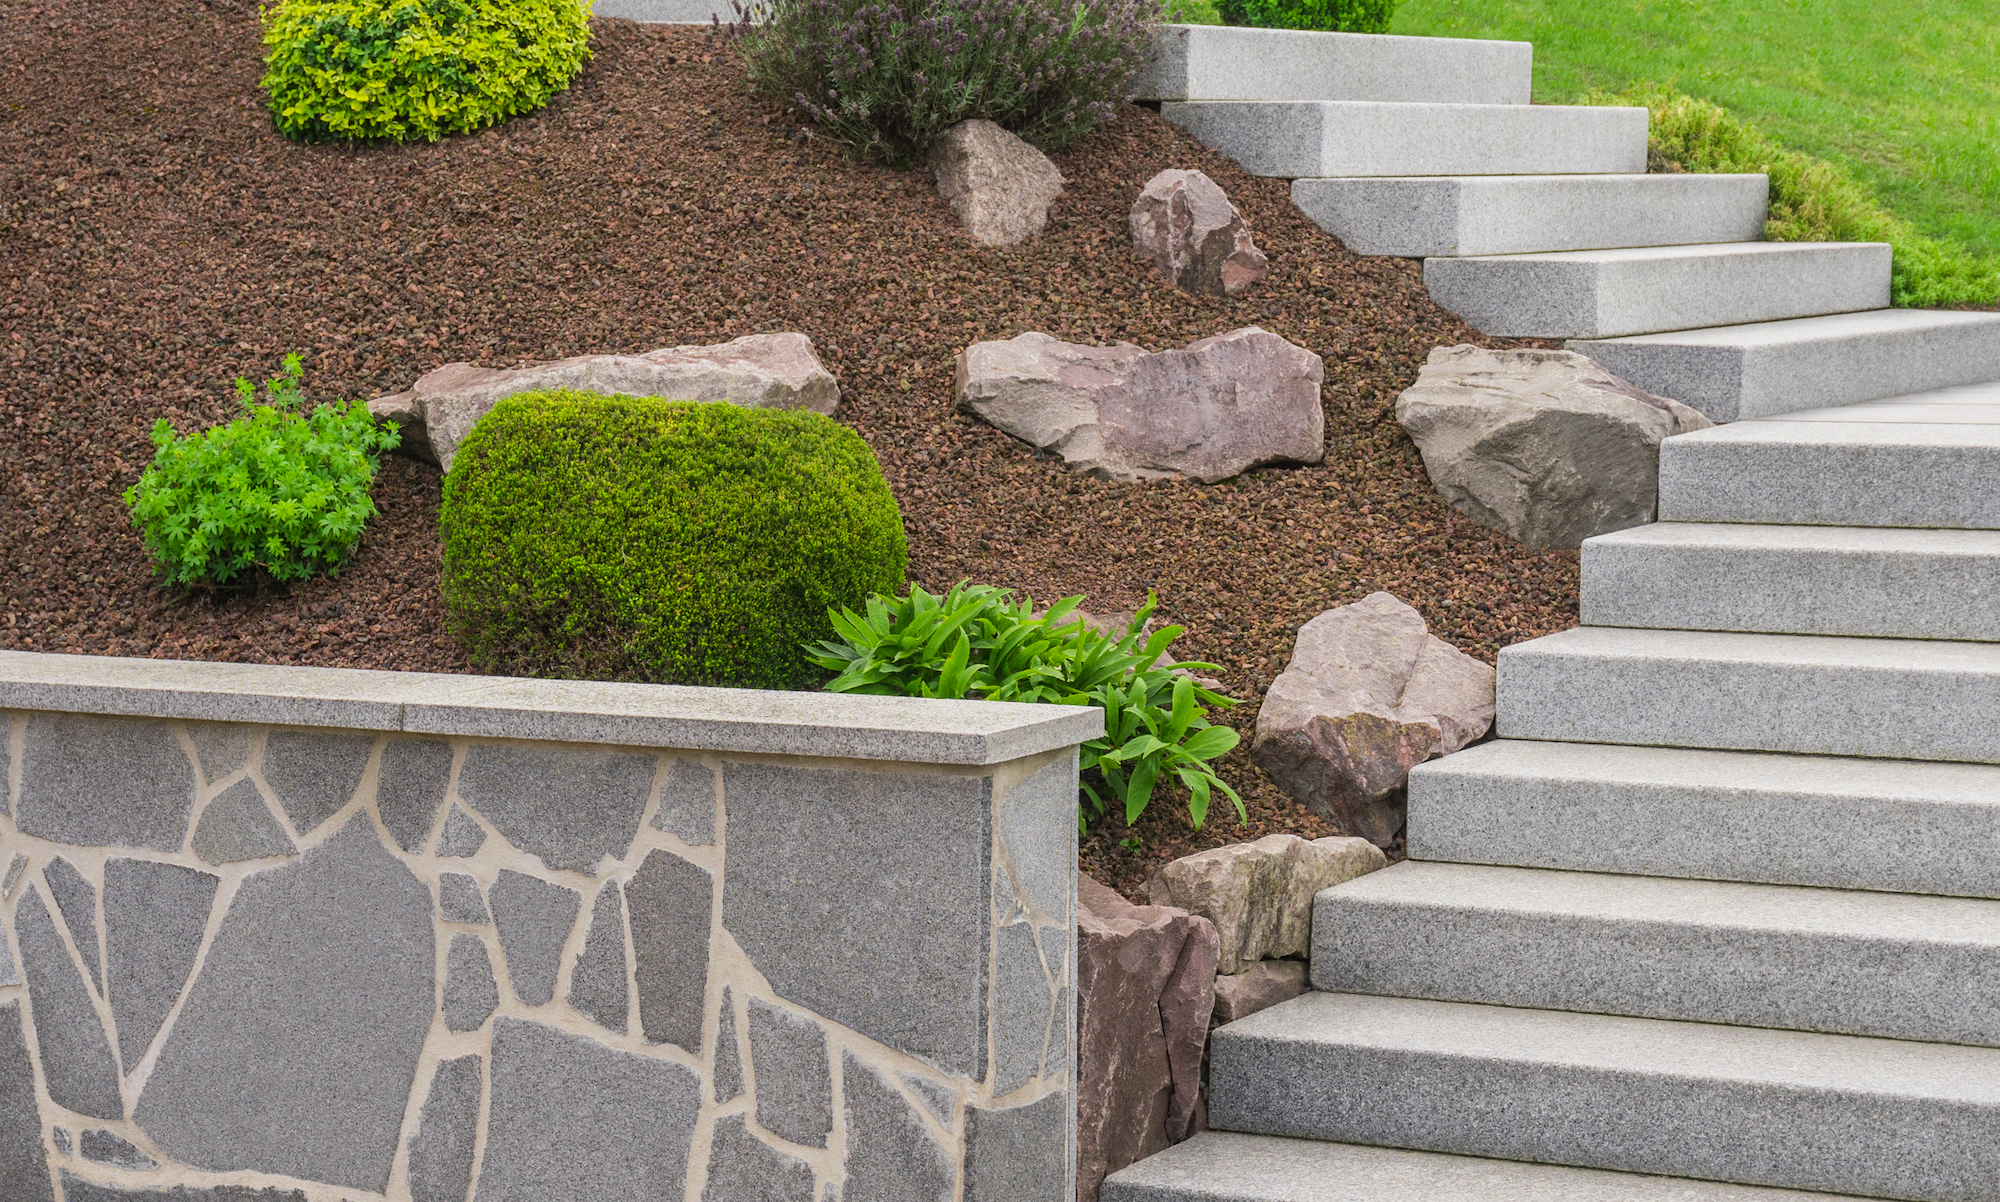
[887,78]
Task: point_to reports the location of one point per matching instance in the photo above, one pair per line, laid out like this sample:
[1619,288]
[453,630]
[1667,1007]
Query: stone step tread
[1227,1166]
[1220,62]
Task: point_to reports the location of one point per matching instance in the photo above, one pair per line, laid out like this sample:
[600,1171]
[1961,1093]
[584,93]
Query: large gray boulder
[1546,446]
[1369,694]
[1000,187]
[1260,895]
[764,371]
[1184,225]
[1212,410]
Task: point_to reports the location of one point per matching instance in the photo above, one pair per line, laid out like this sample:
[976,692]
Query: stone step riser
[1218,62]
[1803,473]
[1419,217]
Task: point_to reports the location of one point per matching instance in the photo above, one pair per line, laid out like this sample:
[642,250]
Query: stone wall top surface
[845,726]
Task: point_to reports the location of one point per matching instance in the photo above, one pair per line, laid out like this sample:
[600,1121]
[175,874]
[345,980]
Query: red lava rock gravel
[157,239]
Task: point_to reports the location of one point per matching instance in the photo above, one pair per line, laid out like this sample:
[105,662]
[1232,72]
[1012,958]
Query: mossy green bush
[631,538]
[1348,16]
[348,70]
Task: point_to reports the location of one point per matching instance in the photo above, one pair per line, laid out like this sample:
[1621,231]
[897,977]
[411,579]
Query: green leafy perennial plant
[976,641]
[1348,16]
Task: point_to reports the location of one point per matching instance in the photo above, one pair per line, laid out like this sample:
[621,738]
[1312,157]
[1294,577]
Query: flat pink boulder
[1186,226]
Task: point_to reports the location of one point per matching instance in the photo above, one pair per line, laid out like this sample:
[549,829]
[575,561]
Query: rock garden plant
[1347,16]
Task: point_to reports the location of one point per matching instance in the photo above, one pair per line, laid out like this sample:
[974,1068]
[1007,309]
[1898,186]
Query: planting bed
[157,238]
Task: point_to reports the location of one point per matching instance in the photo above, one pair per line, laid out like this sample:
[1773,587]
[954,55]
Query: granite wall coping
[843,726]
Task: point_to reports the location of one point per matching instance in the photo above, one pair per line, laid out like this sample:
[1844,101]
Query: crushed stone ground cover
[157,239]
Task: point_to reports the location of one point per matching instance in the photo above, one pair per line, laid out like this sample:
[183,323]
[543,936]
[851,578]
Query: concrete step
[1640,290]
[1322,138]
[1898,965]
[1929,459]
[1736,372]
[1218,62]
[1886,825]
[1226,1166]
[1906,699]
[1422,216]
[1839,1113]
[1842,580]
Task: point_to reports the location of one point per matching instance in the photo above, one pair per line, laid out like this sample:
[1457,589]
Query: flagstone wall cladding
[453,939]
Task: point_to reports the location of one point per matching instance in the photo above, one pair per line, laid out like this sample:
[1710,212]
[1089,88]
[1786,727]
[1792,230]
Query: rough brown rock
[1369,694]
[1259,987]
[768,371]
[1185,225]
[999,186]
[1210,411]
[1544,445]
[1260,895]
[1145,995]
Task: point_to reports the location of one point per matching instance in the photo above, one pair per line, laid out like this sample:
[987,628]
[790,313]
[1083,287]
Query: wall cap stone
[833,725]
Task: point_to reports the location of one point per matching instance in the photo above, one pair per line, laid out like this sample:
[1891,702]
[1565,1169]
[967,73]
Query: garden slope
[158,239]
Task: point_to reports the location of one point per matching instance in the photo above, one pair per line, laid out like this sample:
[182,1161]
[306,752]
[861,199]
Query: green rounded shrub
[344,70]
[631,538]
[1349,16]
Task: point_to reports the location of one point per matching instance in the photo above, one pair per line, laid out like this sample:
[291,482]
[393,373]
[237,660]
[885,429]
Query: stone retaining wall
[306,934]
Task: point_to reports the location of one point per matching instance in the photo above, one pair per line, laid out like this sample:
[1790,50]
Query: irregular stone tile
[597,983]
[259,1071]
[743,1168]
[77,901]
[1038,825]
[728,1058]
[314,772]
[459,899]
[24,1170]
[938,1097]
[470,994]
[410,787]
[106,1147]
[569,807]
[221,747]
[573,1121]
[831,1193]
[15,867]
[1056,1064]
[154,918]
[794,1082]
[105,782]
[8,974]
[534,919]
[462,837]
[1018,1154]
[670,901]
[1021,1006]
[441,1150]
[687,803]
[60,1137]
[77,1064]
[237,826]
[809,854]
[891,1156]
[77,1190]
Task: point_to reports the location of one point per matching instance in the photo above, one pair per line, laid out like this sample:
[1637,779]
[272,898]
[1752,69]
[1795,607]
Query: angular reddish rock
[1185,225]
[1000,187]
[1369,694]
[1260,895]
[1145,994]
[1212,410]
[1259,987]
[1545,446]
[765,371]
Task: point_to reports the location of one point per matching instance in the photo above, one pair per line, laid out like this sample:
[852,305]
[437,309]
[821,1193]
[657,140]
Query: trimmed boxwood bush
[631,538]
[345,70]
[1349,16]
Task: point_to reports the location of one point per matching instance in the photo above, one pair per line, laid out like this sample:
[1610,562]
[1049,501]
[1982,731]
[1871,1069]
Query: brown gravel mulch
[157,239]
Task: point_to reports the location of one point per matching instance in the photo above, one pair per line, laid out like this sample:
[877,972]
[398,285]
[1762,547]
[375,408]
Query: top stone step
[1219,62]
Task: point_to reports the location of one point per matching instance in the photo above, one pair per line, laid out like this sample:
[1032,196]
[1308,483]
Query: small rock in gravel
[1187,227]
[999,186]
[1260,895]
[769,371]
[1546,446]
[1369,694]
[1259,987]
[1211,411]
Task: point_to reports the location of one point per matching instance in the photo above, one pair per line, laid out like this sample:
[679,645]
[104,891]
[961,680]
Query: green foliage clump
[276,491]
[346,70]
[1348,16]
[631,538]
[975,641]
[1812,200]
[886,78]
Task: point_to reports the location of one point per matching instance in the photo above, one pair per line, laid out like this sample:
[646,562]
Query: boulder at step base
[1184,225]
[1368,695]
[760,371]
[1000,186]
[1545,446]
[1210,411]
[1260,895]
[1145,994]
[1258,987]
